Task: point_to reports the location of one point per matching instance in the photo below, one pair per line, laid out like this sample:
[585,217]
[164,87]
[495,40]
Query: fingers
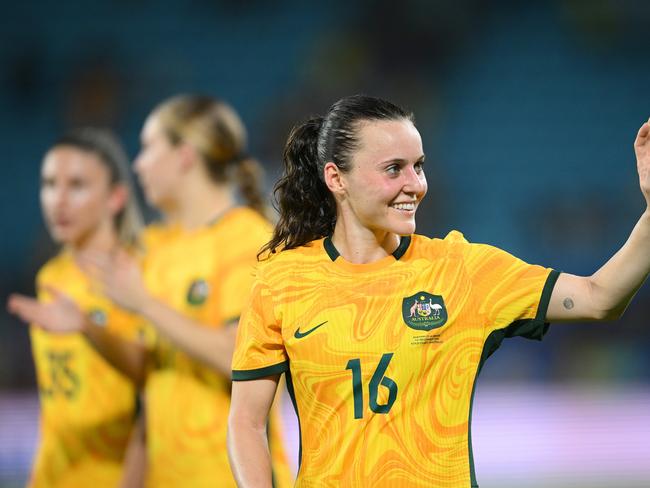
[642,135]
[26,308]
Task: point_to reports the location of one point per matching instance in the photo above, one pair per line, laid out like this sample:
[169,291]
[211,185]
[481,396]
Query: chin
[62,238]
[402,228]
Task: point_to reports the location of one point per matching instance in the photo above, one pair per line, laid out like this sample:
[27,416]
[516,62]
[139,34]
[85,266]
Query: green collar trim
[333,253]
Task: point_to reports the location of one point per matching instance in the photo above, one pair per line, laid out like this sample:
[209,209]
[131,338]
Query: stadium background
[528,111]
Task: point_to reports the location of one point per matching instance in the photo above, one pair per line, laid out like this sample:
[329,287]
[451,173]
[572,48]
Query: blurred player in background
[87,406]
[382,332]
[197,273]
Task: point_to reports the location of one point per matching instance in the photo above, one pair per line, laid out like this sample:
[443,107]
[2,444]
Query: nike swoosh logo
[300,335]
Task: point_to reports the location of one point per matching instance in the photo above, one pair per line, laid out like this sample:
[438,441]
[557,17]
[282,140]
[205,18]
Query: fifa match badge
[423,311]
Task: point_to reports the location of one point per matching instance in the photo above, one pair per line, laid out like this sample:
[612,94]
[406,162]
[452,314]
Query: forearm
[207,344]
[135,459]
[128,357]
[248,450]
[616,282]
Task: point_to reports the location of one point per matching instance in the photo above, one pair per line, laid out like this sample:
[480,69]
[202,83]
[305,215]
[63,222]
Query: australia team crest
[424,311]
[198,292]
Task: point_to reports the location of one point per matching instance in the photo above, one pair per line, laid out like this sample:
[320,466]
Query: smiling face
[77,197]
[386,182]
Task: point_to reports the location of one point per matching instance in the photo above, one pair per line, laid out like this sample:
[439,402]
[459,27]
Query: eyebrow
[400,161]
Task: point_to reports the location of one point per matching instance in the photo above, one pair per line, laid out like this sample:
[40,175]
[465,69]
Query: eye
[393,169]
[47,182]
[77,184]
[419,167]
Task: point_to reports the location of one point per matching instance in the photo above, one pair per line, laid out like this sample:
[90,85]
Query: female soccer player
[197,273]
[87,406]
[382,332]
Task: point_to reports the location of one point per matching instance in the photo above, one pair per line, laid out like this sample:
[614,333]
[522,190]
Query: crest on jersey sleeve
[198,292]
[424,311]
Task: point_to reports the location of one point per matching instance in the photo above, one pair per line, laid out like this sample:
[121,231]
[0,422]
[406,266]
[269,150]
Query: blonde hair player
[87,406]
[382,332]
[195,279]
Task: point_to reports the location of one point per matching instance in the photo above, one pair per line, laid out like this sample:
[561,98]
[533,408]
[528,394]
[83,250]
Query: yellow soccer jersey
[87,407]
[382,358]
[206,274]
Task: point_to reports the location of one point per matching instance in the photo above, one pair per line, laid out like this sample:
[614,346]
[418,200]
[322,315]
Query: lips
[59,221]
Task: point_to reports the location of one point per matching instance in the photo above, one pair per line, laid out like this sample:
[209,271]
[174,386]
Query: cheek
[89,205]
[47,200]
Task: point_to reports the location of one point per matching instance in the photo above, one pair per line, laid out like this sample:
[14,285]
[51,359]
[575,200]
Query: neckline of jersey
[338,260]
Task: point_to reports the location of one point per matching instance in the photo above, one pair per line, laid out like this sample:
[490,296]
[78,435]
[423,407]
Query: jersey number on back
[378,379]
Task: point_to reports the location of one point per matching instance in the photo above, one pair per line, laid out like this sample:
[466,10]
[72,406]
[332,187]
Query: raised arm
[248,446]
[122,282]
[606,294]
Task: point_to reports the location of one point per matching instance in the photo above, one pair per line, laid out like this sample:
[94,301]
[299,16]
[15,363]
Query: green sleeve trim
[254,374]
[546,295]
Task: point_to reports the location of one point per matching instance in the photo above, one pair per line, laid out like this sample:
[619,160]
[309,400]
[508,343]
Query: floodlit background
[527,109]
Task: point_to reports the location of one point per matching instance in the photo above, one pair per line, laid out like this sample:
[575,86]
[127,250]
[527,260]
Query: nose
[137,164]
[414,182]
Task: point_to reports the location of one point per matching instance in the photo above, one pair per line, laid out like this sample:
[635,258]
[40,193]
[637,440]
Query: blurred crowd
[528,111]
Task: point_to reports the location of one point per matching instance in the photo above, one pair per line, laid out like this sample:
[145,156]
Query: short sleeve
[511,293]
[259,350]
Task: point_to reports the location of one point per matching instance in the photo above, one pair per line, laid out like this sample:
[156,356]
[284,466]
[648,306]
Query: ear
[188,155]
[118,198]
[334,178]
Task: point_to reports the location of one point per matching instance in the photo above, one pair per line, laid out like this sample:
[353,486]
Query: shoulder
[423,246]
[453,246]
[154,233]
[297,259]
[244,221]
[56,267]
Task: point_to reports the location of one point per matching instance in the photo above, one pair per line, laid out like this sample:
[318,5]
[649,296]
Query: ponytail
[307,207]
[248,175]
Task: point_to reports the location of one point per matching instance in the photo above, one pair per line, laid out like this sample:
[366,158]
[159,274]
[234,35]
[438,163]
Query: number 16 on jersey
[378,379]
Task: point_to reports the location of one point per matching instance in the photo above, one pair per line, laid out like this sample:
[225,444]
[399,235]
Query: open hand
[60,316]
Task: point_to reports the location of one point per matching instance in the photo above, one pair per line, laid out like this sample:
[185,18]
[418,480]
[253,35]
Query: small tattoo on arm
[568,303]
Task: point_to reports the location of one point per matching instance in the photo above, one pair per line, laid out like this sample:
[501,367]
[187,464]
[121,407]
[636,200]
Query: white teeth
[404,206]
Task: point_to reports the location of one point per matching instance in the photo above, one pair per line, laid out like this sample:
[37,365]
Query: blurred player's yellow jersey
[382,358]
[87,407]
[206,274]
